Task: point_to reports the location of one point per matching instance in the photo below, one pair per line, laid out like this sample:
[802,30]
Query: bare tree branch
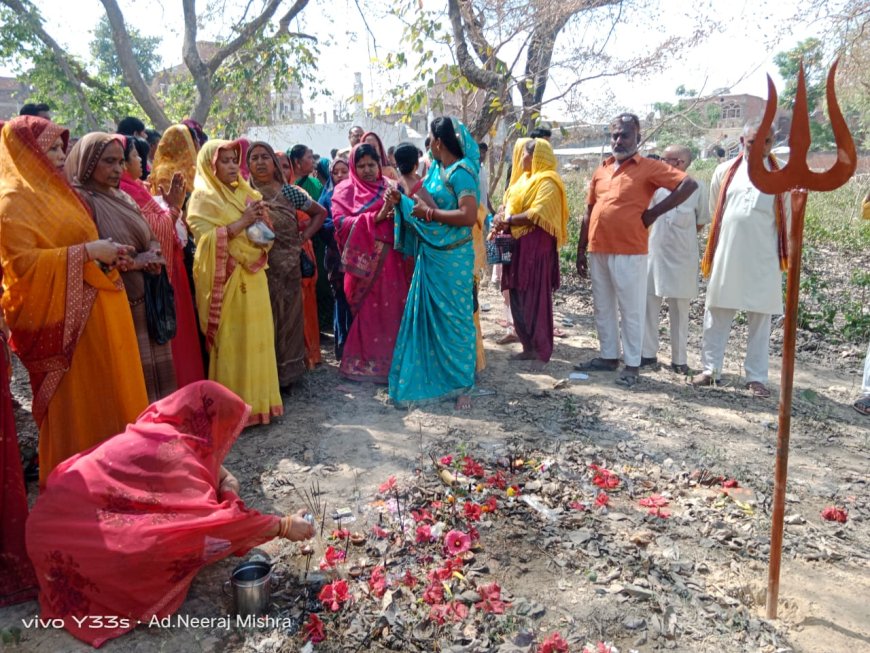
[197,67]
[130,67]
[473,73]
[73,71]
[284,23]
[368,29]
[245,34]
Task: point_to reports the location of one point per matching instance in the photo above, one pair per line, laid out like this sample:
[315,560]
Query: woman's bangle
[430,213]
[283,528]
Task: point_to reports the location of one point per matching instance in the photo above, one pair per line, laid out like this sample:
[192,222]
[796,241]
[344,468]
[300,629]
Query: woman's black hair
[407,157]
[141,147]
[153,137]
[130,125]
[364,149]
[297,152]
[442,129]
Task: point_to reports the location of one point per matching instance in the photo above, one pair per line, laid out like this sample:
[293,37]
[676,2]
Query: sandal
[598,365]
[507,339]
[558,333]
[863,405]
[628,380]
[702,379]
[758,389]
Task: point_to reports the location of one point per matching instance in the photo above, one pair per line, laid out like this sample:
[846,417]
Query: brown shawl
[116,214]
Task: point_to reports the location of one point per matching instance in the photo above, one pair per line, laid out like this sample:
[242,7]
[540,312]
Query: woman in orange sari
[67,309]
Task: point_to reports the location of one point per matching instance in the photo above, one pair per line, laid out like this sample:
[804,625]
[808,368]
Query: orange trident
[796,177]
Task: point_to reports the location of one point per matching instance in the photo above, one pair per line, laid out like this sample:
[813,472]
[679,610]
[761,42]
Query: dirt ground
[692,582]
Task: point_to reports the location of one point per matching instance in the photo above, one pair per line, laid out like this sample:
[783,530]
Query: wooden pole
[795,247]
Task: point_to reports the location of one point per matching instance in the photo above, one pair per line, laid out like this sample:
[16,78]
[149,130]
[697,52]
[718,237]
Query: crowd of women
[104,244]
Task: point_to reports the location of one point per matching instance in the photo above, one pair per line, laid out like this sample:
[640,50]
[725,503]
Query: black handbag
[306,265]
[160,307]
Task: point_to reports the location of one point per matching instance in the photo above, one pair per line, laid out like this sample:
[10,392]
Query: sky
[736,55]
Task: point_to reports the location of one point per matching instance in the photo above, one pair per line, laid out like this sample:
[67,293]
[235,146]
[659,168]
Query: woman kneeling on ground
[143,512]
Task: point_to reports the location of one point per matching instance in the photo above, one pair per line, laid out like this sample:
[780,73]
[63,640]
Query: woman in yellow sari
[232,292]
[536,215]
[176,152]
[71,324]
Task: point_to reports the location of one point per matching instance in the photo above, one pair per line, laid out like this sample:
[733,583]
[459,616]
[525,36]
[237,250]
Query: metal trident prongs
[797,178]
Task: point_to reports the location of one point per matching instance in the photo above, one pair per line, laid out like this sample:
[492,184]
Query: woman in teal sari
[436,348]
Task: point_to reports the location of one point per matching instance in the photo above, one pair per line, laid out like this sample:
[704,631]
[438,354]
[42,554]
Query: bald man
[672,266]
[745,257]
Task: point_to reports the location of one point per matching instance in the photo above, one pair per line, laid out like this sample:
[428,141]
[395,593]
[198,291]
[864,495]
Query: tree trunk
[130,68]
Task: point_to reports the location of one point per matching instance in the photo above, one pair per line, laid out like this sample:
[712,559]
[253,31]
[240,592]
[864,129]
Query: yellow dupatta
[542,196]
[176,152]
[519,178]
[71,323]
[214,205]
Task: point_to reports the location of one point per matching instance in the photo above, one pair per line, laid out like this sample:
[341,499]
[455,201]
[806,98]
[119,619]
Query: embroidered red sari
[140,515]
[185,345]
[17,581]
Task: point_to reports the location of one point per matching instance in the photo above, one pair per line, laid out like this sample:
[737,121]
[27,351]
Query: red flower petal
[654,501]
[832,513]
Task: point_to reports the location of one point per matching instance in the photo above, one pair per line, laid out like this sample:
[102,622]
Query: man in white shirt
[746,253]
[672,265]
[863,403]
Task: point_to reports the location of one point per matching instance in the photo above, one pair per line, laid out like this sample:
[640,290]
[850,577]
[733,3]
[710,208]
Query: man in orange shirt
[615,231]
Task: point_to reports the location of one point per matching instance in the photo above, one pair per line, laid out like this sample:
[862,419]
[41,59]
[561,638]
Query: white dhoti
[619,300]
[678,319]
[865,385]
[717,328]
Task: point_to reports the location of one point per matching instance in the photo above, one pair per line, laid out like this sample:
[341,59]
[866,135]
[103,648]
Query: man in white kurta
[745,273]
[672,266]
[863,403]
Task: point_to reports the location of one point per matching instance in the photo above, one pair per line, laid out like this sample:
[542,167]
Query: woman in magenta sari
[375,277]
[122,529]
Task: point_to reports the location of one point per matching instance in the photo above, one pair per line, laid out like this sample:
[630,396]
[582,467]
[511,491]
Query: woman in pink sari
[186,356]
[122,529]
[375,275]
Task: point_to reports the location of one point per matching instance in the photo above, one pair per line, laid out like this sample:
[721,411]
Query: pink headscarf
[243,158]
[361,239]
[353,195]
